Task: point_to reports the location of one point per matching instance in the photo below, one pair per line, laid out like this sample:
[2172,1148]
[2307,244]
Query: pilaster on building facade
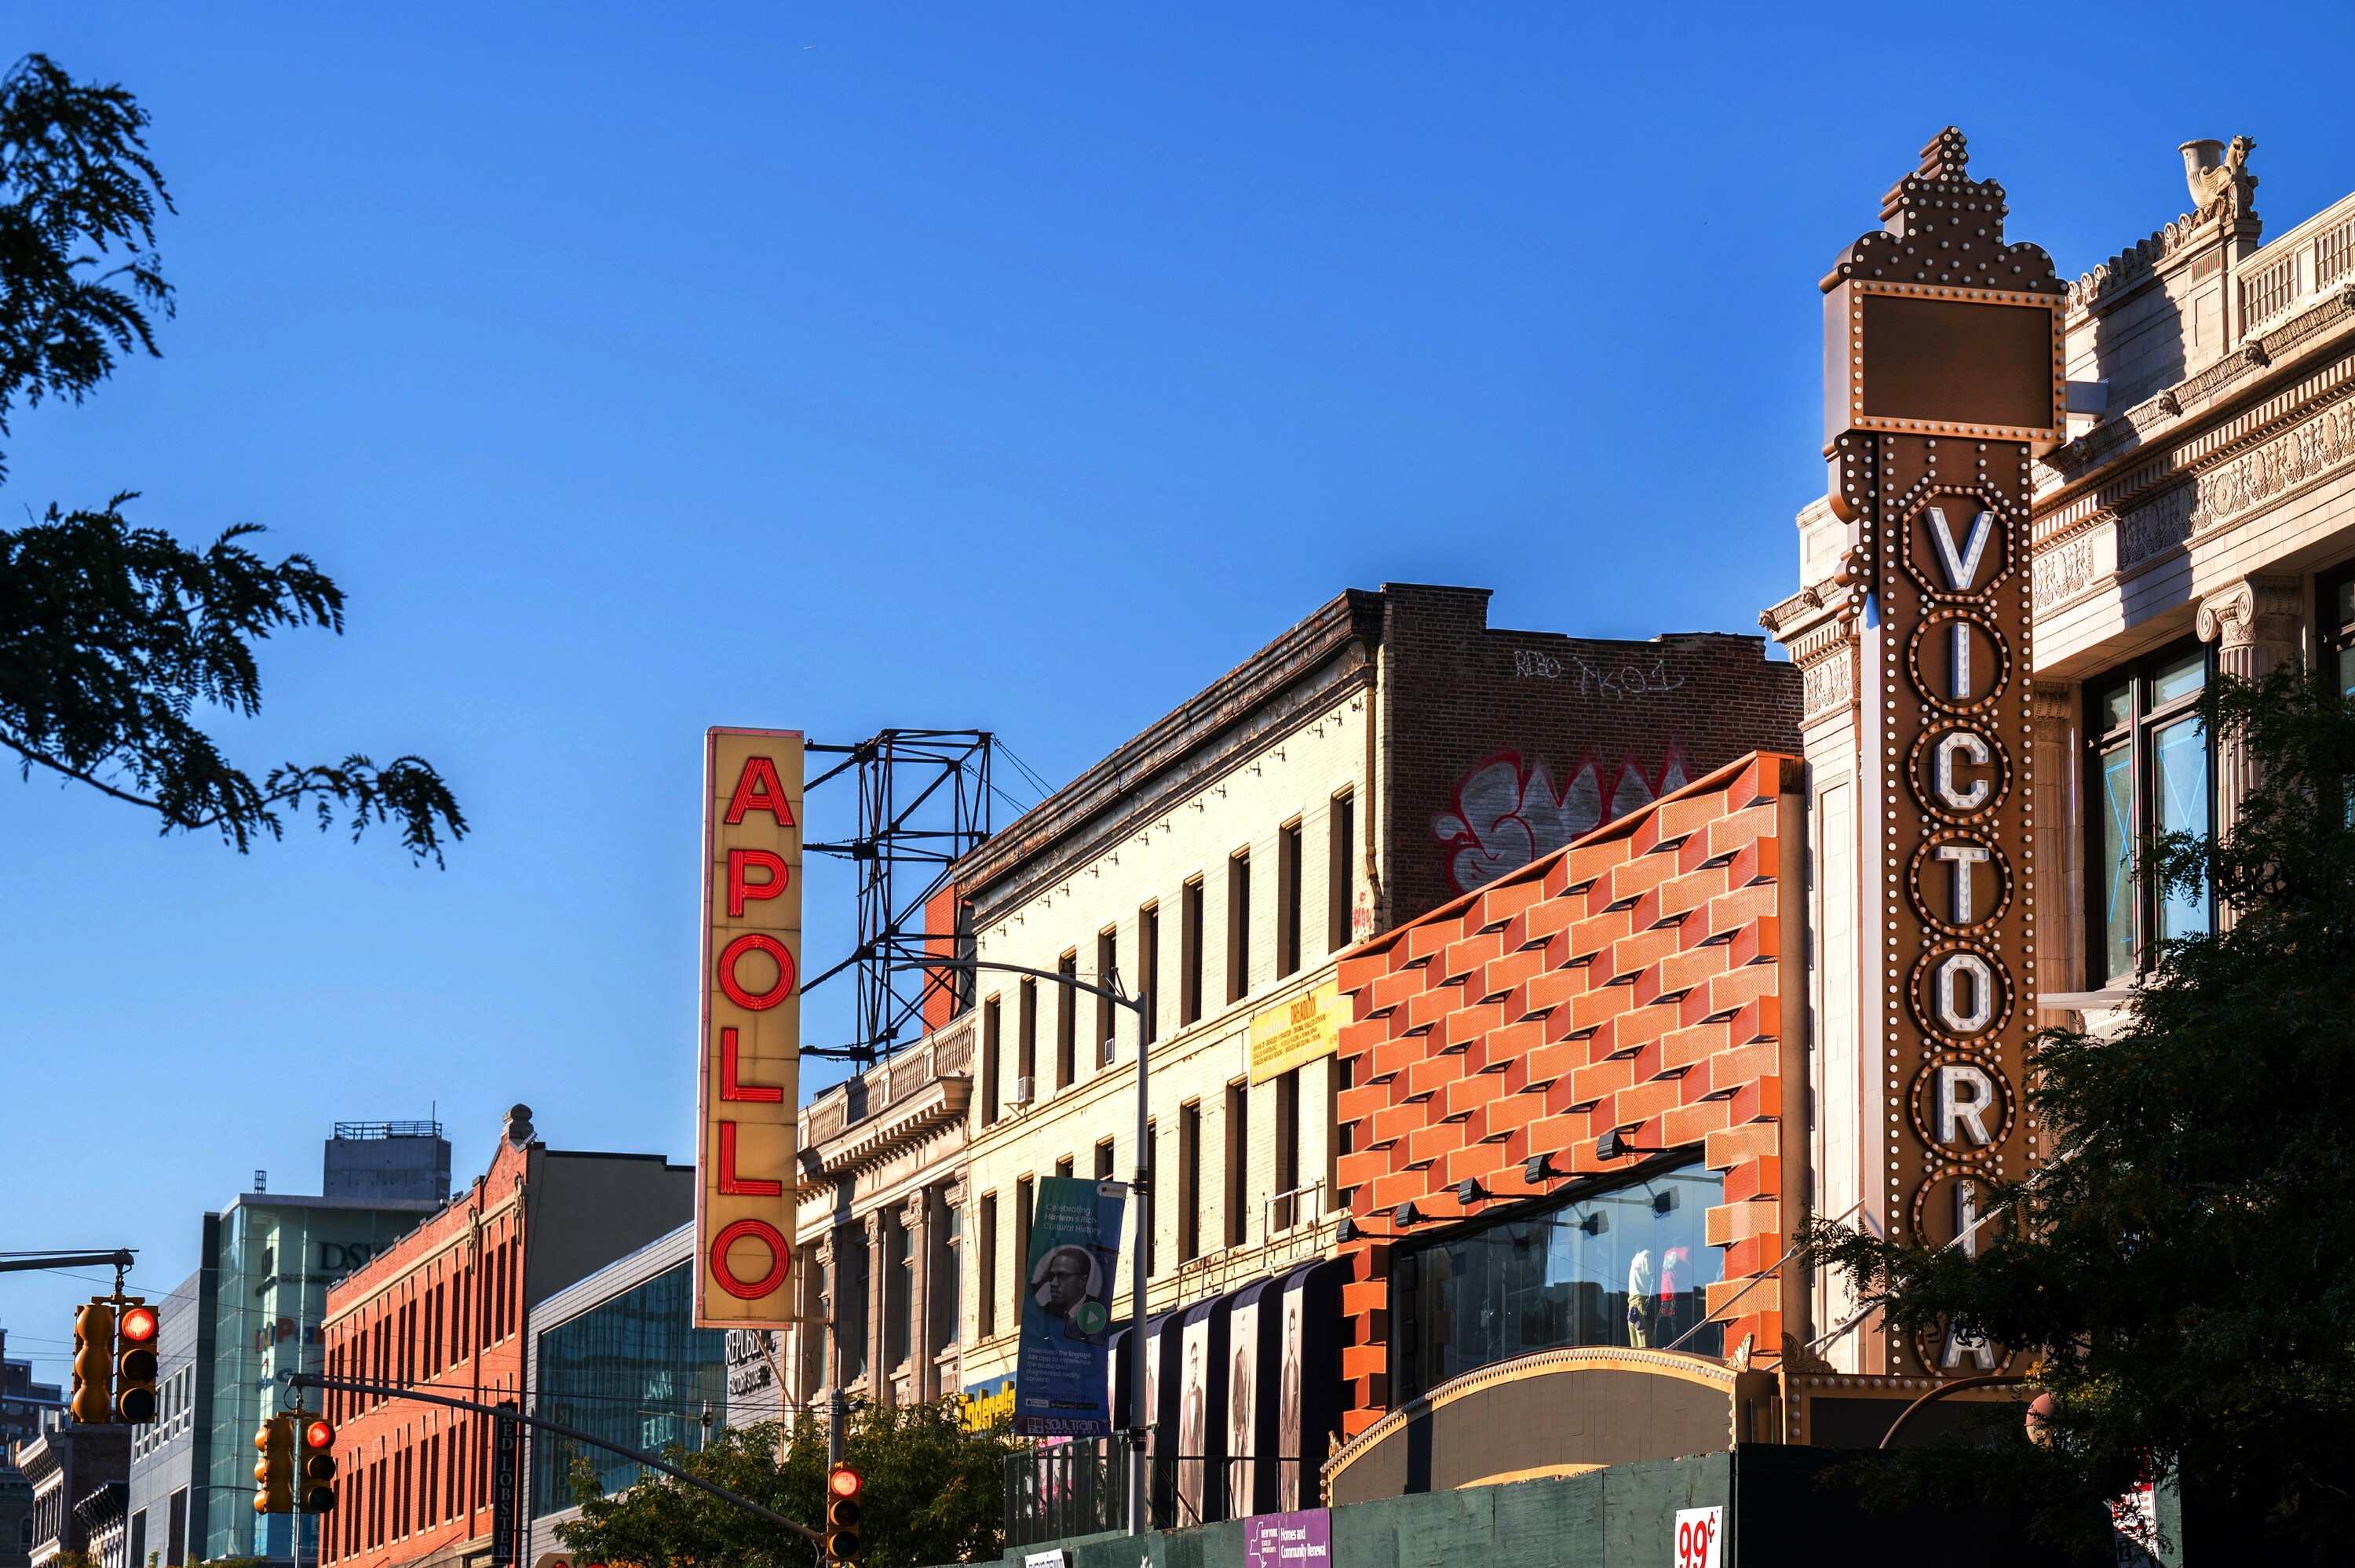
[447,1309]
[1391,753]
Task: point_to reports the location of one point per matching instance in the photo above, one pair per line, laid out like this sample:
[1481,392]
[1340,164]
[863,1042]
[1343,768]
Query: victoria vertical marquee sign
[1944,378]
[748,1079]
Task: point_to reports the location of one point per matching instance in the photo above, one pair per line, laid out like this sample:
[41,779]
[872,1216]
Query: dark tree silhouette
[112,637]
[2183,1270]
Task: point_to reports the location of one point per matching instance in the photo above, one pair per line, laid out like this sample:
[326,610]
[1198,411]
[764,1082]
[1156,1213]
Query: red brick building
[1645,979]
[446,1309]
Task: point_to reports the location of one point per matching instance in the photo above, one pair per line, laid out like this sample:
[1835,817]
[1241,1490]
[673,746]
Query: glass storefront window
[2149,774]
[1623,1268]
[632,1371]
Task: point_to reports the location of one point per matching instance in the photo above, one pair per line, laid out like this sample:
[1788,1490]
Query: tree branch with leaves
[2182,1271]
[113,637]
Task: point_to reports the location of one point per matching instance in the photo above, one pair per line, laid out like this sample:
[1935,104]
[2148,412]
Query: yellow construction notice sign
[1301,1030]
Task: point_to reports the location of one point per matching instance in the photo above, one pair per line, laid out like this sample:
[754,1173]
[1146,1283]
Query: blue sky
[642,369]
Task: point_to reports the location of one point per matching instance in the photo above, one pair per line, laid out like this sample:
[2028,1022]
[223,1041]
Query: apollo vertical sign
[748,1079]
[1943,379]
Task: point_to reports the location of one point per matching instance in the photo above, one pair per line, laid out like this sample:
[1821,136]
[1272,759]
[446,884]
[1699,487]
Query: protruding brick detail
[1630,981]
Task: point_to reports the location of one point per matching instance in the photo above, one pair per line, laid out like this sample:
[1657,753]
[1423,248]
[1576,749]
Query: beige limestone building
[1386,754]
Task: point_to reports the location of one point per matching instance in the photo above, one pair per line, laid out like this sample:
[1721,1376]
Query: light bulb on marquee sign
[1944,377]
[747,1081]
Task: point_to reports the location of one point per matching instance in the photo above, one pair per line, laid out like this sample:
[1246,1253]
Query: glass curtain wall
[1626,1267]
[2151,775]
[632,1371]
[275,1263]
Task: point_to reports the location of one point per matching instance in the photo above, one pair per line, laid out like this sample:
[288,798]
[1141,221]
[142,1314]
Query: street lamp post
[1140,1421]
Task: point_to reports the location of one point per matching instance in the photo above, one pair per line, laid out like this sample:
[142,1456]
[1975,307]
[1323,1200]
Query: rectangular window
[1153,1179]
[1104,1160]
[1189,953]
[989,1062]
[1026,1044]
[899,1290]
[2148,773]
[1190,1181]
[1148,968]
[2337,629]
[953,1279]
[1067,1021]
[1107,964]
[1287,1149]
[1238,926]
[1287,899]
[1339,858]
[1629,1267]
[1025,1211]
[1063,1167]
[1238,1171]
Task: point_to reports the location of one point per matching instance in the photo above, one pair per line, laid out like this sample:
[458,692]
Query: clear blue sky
[1020,368]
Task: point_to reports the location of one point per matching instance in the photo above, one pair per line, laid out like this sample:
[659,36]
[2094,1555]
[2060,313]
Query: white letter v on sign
[1960,568]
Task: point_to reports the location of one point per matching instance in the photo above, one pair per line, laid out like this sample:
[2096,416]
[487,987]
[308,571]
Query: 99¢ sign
[747,1079]
[1701,1537]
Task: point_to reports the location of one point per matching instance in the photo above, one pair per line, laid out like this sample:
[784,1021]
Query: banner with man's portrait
[1059,1384]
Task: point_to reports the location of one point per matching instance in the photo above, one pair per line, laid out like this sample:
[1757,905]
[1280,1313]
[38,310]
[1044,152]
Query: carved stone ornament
[2219,179]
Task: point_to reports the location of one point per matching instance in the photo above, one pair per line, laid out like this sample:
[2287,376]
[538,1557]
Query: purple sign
[1303,1540]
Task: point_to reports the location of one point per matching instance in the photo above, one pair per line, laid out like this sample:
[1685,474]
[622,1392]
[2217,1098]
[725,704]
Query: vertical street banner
[1061,1387]
[503,1488]
[748,1073]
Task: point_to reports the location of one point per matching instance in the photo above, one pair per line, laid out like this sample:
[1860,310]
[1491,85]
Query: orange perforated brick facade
[1636,979]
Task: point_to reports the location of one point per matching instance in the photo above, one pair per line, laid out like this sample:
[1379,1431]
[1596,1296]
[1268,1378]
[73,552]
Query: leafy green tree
[2184,1270]
[112,636]
[934,1493]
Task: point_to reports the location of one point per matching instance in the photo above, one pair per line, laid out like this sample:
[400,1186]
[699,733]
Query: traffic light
[315,1488]
[93,1362]
[134,1364]
[842,1486]
[273,1474]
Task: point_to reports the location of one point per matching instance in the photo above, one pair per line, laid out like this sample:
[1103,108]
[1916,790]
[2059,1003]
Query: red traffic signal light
[314,1490]
[135,1330]
[842,1487]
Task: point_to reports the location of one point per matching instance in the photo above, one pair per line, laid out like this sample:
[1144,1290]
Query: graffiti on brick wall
[1629,680]
[1505,812]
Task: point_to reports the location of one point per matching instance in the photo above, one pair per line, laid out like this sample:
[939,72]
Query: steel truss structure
[923,804]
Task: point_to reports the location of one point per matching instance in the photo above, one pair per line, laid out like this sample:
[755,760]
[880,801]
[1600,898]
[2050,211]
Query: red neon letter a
[757,789]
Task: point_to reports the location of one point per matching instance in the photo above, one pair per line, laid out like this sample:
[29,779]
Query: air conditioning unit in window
[1025,1090]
